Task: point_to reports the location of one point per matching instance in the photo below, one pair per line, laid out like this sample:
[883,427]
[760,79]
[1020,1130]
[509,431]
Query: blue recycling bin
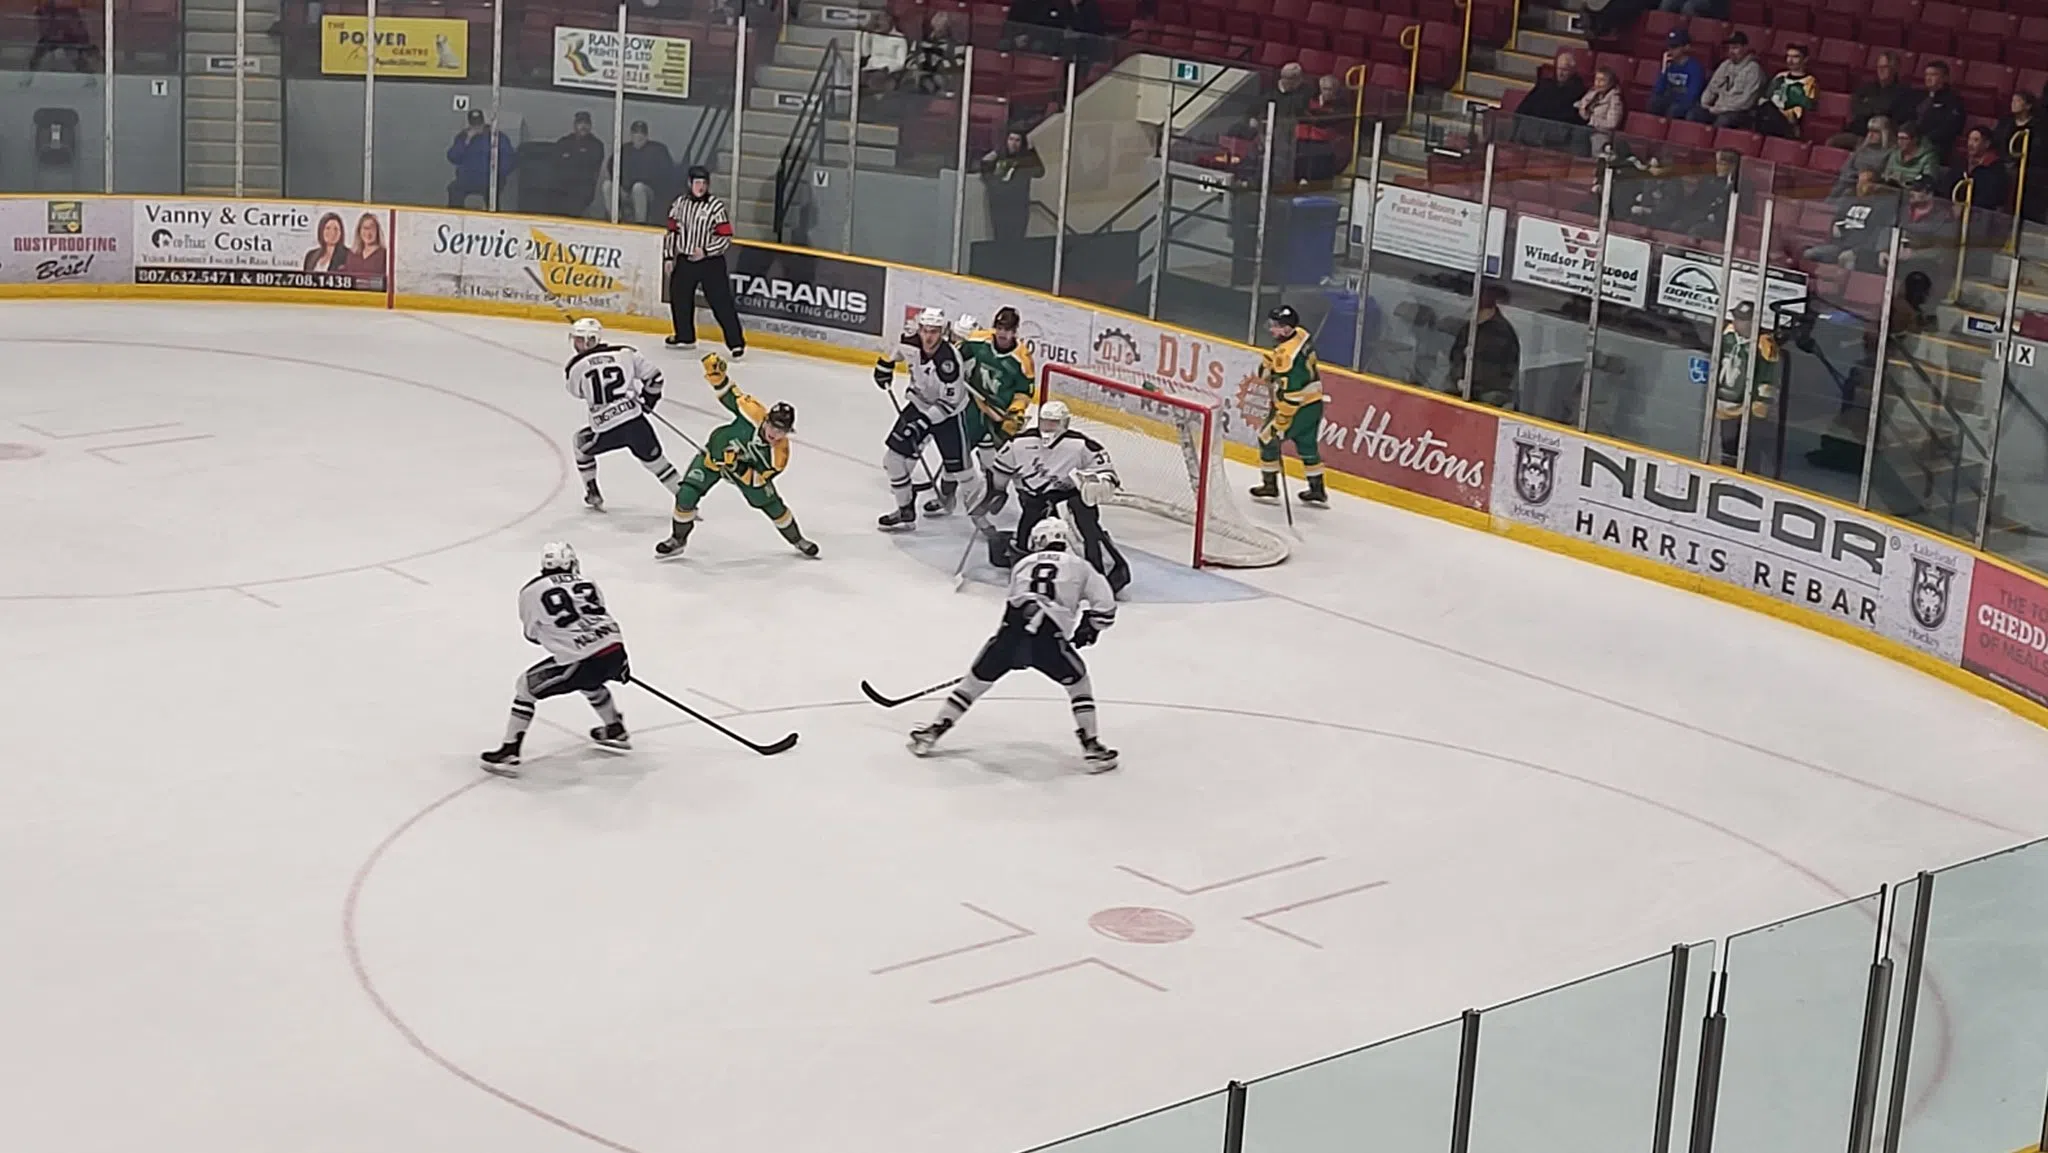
[1340,324]
[1304,240]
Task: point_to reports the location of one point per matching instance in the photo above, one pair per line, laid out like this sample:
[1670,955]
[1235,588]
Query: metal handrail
[1411,39]
[1465,53]
[1964,194]
[2021,145]
[807,134]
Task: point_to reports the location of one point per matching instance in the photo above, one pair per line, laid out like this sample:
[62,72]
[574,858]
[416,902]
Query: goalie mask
[1053,419]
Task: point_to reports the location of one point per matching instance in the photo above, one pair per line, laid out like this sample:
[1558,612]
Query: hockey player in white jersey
[1057,603]
[563,612]
[934,405]
[1053,466]
[621,387]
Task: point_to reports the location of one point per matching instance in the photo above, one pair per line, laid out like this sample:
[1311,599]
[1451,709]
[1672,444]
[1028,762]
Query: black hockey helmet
[1006,317]
[783,416]
[699,172]
[1284,315]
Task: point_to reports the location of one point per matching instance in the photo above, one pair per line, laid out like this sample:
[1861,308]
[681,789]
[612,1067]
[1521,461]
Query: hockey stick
[768,750]
[892,702]
[931,479]
[1286,501]
[672,428]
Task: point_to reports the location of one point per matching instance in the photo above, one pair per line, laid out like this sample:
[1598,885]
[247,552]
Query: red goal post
[1168,452]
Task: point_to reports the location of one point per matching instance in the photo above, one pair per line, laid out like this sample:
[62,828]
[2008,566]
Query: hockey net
[1168,454]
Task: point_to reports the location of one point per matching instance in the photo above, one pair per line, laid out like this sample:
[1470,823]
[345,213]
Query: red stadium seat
[1291,9]
[1511,100]
[1276,31]
[1987,88]
[2028,49]
[1241,25]
[1839,19]
[1318,63]
[1836,64]
[1789,153]
[1825,159]
[1828,117]
[1986,34]
[1362,20]
[1325,15]
[1741,140]
[1644,126]
[1687,134]
[1275,56]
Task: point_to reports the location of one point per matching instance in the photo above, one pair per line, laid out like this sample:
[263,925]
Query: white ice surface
[258,589]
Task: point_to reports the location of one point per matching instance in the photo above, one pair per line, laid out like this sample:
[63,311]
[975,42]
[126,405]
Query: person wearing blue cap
[1679,85]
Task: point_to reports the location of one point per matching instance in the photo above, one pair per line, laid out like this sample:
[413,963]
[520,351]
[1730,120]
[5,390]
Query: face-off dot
[1137,925]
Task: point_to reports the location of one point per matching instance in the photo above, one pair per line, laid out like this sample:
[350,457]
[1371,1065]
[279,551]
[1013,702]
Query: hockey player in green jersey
[1002,380]
[751,450]
[1297,415]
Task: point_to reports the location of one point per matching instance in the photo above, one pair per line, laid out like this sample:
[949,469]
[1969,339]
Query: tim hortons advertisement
[1408,441]
[565,264]
[1054,331]
[259,244]
[2006,638]
[1735,530]
[813,297]
[1183,364]
[66,242]
[1566,256]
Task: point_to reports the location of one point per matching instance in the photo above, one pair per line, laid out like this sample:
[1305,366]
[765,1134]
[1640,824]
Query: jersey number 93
[568,605]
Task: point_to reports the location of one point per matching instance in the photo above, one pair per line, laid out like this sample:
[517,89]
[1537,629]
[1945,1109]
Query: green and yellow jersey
[737,450]
[1291,371]
[1001,383]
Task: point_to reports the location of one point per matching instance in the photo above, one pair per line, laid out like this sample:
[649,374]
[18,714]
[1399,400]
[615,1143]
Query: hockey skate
[503,761]
[941,503]
[592,497]
[1268,487]
[672,544]
[612,736]
[923,737]
[1098,757]
[806,546]
[903,518]
[1314,493]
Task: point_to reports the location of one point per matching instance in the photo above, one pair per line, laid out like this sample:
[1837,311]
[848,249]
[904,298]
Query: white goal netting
[1168,453]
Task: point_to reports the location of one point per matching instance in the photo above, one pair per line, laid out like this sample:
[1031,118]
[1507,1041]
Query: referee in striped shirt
[699,232]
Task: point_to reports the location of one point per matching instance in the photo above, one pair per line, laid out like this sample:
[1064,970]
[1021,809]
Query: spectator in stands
[2014,136]
[1323,138]
[1712,9]
[1872,153]
[1006,176]
[1291,93]
[1651,197]
[1698,206]
[1679,86]
[1603,110]
[1911,160]
[1928,232]
[1983,169]
[647,173]
[579,158]
[884,53]
[1883,95]
[1788,97]
[1910,314]
[60,27]
[1744,381]
[1733,90]
[471,156]
[1551,110]
[1497,361]
[1940,112]
[1861,232]
[1038,26]
[936,56]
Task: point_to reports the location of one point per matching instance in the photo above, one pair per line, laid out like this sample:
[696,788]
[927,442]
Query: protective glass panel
[1796,994]
[1190,1127]
[1309,260]
[431,125]
[1216,161]
[1574,1069]
[678,111]
[1113,177]
[1940,399]
[906,171]
[1393,1097]
[1015,135]
[1980,1066]
[322,63]
[796,132]
[53,96]
[2017,527]
[153,131]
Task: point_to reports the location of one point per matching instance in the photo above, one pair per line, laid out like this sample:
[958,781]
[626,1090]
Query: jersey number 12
[559,602]
[607,381]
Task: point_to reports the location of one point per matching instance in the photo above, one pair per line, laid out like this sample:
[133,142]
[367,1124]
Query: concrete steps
[209,99]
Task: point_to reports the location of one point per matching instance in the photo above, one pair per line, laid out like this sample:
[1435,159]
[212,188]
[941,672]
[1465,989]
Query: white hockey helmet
[557,556]
[964,326]
[586,334]
[1049,533]
[1053,418]
[932,318]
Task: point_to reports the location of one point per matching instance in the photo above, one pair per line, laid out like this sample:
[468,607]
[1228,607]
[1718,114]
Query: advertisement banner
[1411,442]
[260,244]
[2006,641]
[1690,282]
[1564,256]
[1736,530]
[1421,225]
[589,58]
[67,242]
[407,46]
[1184,364]
[579,267]
[1054,331]
[810,296]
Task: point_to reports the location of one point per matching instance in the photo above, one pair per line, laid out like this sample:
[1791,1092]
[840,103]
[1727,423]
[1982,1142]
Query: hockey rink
[259,583]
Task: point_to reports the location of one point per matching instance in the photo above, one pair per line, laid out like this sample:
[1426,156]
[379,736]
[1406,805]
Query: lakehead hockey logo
[1931,587]
[1535,472]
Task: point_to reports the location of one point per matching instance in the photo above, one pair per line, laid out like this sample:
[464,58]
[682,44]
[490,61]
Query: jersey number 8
[563,606]
[606,382]
[1044,580]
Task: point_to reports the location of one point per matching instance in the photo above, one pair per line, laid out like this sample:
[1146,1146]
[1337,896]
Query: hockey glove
[1084,635]
[648,400]
[1094,485]
[885,373]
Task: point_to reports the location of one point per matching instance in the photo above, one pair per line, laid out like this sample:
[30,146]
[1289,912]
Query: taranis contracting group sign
[1736,530]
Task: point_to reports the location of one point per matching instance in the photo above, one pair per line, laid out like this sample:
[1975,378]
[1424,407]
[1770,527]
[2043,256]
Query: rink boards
[1882,584]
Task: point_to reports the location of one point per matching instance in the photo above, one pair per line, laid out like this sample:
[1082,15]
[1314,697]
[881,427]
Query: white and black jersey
[1062,588]
[566,615]
[616,382]
[1045,468]
[938,379]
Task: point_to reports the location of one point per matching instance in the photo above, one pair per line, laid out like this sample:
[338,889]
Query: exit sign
[1187,72]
